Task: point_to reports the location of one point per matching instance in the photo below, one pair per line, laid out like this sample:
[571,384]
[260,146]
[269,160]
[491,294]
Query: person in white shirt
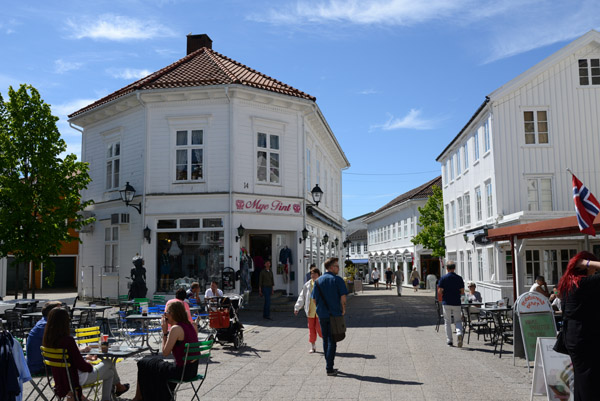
[375,277]
[540,286]
[213,291]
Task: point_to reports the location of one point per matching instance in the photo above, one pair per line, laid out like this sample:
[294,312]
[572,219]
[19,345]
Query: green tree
[432,222]
[39,188]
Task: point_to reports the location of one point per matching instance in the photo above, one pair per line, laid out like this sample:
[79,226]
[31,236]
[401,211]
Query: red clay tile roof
[424,191]
[202,68]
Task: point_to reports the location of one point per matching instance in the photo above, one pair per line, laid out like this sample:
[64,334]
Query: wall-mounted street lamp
[346,243]
[240,230]
[127,194]
[147,233]
[337,242]
[304,235]
[325,239]
[317,194]
[466,237]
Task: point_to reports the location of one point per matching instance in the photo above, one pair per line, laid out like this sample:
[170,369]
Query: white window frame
[480,264]
[188,123]
[461,216]
[466,156]
[308,170]
[406,228]
[458,163]
[452,168]
[111,246]
[453,208]
[112,160]
[539,202]
[489,198]
[589,70]
[536,125]
[269,151]
[467,207]
[189,148]
[470,264]
[444,175]
[478,205]
[487,140]
[476,145]
[447,217]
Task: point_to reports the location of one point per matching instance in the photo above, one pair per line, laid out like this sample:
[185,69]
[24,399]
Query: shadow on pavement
[375,379]
[354,355]
[244,351]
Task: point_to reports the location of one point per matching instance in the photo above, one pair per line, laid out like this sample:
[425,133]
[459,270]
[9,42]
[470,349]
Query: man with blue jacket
[451,286]
[330,296]
[34,339]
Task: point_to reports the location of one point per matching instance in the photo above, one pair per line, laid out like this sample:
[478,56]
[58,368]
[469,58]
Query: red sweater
[77,363]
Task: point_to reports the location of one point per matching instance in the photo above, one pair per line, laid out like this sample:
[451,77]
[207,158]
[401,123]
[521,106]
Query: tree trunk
[17,282]
[26,280]
[33,286]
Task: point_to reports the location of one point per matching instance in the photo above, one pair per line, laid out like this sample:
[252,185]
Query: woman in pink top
[180,297]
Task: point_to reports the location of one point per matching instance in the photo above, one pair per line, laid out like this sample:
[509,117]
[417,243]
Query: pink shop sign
[269,206]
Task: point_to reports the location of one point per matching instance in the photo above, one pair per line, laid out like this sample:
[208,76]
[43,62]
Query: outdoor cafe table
[10,304]
[145,331]
[115,352]
[104,326]
[34,316]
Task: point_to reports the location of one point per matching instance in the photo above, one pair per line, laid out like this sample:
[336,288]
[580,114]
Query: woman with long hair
[57,335]
[579,290]
[310,308]
[153,371]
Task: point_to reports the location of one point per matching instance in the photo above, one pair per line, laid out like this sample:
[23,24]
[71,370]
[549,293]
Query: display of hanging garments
[285,256]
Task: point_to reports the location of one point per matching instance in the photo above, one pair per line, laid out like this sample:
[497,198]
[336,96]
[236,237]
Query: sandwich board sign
[552,372]
[533,318]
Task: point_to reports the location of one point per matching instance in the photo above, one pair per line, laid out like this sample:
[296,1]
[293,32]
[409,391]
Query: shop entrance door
[429,265]
[260,250]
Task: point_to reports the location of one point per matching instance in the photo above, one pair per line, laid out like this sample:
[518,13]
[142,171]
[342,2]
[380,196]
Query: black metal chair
[87,318]
[440,314]
[14,323]
[479,326]
[503,331]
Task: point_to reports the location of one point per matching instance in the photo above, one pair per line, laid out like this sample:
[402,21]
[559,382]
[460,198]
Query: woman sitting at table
[153,371]
[472,295]
[57,335]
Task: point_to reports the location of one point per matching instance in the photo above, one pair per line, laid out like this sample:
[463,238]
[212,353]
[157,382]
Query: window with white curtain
[539,194]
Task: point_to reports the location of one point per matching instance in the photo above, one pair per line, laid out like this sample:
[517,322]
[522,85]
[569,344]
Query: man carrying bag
[330,296]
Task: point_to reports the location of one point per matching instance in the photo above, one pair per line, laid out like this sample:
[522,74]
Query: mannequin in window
[138,287]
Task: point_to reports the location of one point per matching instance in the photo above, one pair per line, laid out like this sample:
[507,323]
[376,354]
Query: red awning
[560,227]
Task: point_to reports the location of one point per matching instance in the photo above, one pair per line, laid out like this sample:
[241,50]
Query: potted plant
[349,275]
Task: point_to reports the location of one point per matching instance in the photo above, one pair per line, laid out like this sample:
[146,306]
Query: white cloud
[61,66]
[368,92]
[117,28]
[9,26]
[412,120]
[63,110]
[128,73]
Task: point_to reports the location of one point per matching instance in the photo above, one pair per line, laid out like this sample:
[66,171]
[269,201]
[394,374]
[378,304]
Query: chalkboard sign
[534,325]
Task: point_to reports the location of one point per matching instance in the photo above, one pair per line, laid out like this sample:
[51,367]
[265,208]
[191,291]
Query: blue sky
[395,79]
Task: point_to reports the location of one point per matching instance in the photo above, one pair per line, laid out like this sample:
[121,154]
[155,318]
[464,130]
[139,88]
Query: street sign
[552,372]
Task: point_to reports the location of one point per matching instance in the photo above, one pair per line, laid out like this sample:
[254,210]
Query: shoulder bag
[338,324]
[559,345]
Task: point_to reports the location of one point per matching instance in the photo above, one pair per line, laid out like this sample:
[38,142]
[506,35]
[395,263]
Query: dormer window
[589,71]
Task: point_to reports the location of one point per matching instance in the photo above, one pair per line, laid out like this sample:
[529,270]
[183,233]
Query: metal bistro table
[115,352]
[104,326]
[145,319]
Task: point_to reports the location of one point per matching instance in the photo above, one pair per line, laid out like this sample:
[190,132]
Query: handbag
[338,324]
[559,345]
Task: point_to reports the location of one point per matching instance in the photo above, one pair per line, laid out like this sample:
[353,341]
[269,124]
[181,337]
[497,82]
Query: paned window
[478,203]
[111,247]
[476,146]
[536,126]
[405,228]
[488,197]
[453,207]
[267,158]
[462,264]
[486,136]
[113,165]
[461,216]
[467,206]
[444,176]
[539,194]
[589,71]
[480,264]
[189,148]
[466,155]
[458,163]
[365,247]
[447,217]
[470,264]
[451,167]
[532,263]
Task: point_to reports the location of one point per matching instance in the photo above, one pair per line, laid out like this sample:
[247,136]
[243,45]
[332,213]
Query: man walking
[265,288]
[375,277]
[399,281]
[388,278]
[451,286]
[330,296]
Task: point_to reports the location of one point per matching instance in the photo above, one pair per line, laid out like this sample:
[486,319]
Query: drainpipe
[514,270]
[144,172]
[231,167]
[81,244]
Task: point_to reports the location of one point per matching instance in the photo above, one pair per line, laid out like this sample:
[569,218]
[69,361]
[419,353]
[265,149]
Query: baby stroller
[223,318]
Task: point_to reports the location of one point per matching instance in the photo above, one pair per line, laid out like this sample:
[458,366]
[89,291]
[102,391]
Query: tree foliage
[432,222]
[39,189]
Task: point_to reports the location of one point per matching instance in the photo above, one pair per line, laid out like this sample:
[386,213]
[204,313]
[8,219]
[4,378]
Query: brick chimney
[195,42]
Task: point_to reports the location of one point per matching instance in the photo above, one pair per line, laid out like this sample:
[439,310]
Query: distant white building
[223,160]
[357,246]
[508,166]
[390,230]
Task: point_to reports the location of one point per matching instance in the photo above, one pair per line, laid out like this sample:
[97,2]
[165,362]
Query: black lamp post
[240,230]
[127,194]
[304,235]
[317,194]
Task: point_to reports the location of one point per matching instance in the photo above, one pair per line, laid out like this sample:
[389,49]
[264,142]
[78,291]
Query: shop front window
[191,256]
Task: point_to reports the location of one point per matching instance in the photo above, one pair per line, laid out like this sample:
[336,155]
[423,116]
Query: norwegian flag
[586,207]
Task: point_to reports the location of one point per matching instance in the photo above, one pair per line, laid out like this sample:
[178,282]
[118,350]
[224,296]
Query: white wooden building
[209,145]
[508,166]
[390,230]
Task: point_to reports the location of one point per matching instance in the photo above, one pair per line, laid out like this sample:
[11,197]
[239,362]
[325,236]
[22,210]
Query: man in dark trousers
[266,282]
[330,289]
[451,286]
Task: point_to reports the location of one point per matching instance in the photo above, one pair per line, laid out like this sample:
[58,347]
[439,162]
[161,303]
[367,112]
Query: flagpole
[569,170]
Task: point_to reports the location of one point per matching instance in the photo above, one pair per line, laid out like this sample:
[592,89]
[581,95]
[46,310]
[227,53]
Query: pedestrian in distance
[375,277]
[308,273]
[306,301]
[330,289]
[399,280]
[579,288]
[266,282]
[389,274]
[415,278]
[451,286]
